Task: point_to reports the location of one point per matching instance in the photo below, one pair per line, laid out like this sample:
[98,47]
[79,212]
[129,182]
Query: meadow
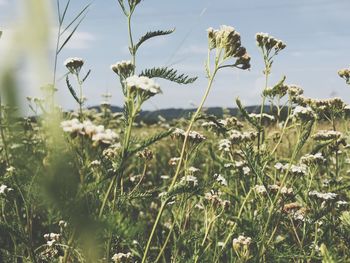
[92,185]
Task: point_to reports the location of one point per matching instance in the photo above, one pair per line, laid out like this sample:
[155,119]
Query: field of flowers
[97,186]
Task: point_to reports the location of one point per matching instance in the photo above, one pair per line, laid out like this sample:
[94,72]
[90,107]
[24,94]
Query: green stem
[194,117]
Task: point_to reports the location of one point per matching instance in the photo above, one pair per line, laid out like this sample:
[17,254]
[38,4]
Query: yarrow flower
[123,68]
[323,196]
[4,190]
[238,137]
[268,42]
[325,135]
[229,40]
[265,117]
[303,113]
[225,145]
[241,241]
[214,197]
[52,238]
[189,179]
[146,86]
[122,257]
[97,134]
[193,136]
[74,65]
[345,74]
[313,159]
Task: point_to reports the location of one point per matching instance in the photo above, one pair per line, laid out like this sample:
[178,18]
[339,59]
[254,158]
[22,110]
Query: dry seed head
[345,74]
[123,68]
[325,135]
[74,65]
[268,42]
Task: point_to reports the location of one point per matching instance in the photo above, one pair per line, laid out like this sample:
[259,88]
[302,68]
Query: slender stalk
[194,117]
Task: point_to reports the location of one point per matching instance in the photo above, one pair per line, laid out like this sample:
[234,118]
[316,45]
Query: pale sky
[316,32]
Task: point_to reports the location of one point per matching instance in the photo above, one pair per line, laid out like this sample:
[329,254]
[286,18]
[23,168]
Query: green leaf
[148,142]
[82,13]
[64,12]
[72,91]
[150,35]
[168,74]
[70,35]
[87,75]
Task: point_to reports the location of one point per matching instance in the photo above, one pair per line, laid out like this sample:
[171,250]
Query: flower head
[143,85]
[123,68]
[74,65]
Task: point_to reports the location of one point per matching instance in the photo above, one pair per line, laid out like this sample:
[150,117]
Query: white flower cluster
[241,241]
[298,170]
[242,166]
[295,210]
[74,65]
[4,190]
[303,113]
[268,42]
[265,117]
[123,68]
[325,135]
[261,189]
[189,179]
[193,136]
[225,145]
[229,40]
[97,134]
[238,137]
[323,196]
[174,161]
[52,238]
[122,257]
[313,159]
[143,84]
[214,197]
[220,179]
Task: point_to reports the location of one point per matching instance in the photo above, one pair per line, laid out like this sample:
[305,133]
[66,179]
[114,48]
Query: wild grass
[97,186]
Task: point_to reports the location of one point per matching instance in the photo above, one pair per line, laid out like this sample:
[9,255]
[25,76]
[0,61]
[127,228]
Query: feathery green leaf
[168,74]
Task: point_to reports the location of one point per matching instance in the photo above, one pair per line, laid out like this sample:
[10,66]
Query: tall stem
[194,117]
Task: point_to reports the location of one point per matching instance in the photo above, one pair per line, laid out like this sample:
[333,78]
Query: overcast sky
[316,32]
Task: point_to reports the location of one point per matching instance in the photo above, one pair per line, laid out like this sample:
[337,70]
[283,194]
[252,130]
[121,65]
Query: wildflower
[62,224]
[214,197]
[106,137]
[241,241]
[4,190]
[146,154]
[294,91]
[190,179]
[193,136]
[265,117]
[325,135]
[72,126]
[122,258]
[229,40]
[144,85]
[283,190]
[238,137]
[303,113]
[260,189]
[225,145]
[246,170]
[193,170]
[269,43]
[323,196]
[74,65]
[123,68]
[313,159]
[219,178]
[173,161]
[345,74]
